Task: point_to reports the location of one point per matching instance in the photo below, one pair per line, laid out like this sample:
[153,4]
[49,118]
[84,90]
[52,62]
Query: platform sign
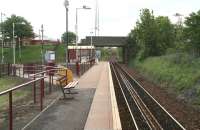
[50,56]
[98,54]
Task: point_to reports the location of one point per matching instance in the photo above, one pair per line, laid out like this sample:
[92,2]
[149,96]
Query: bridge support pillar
[125,55]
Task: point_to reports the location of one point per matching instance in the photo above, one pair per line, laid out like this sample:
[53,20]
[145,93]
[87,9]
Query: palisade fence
[6,70]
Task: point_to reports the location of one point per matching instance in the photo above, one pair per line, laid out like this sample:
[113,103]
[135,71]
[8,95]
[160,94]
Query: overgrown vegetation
[167,53]
[111,53]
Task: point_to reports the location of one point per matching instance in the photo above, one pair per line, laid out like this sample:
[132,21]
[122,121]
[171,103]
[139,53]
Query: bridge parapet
[105,41]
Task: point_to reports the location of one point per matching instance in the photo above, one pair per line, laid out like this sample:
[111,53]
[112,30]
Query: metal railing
[35,77]
[81,68]
[10,97]
[37,74]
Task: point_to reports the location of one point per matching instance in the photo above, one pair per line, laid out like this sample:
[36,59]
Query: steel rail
[178,125]
[129,108]
[148,116]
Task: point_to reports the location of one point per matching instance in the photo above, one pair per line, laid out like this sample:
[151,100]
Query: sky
[116,17]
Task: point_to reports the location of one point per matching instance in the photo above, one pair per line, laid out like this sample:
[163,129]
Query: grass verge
[32,54]
[179,72]
[7,83]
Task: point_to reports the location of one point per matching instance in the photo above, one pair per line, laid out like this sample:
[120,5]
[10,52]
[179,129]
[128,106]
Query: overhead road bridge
[108,41]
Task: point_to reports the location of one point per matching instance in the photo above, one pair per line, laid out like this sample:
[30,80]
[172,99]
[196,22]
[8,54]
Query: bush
[164,70]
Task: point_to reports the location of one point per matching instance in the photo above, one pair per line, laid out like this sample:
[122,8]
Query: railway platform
[93,108]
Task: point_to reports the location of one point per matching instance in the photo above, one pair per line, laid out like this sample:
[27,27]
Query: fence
[10,92]
[36,74]
[7,69]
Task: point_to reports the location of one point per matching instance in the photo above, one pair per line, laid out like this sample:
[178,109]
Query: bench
[67,88]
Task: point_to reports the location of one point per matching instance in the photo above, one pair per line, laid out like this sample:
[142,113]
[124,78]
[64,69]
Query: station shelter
[81,53]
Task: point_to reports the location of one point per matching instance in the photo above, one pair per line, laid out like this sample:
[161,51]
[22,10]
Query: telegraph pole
[179,17]
[96,28]
[42,30]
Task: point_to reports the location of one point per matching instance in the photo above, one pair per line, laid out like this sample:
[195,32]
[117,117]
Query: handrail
[44,72]
[20,86]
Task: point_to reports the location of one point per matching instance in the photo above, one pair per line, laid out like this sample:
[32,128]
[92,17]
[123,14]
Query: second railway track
[144,111]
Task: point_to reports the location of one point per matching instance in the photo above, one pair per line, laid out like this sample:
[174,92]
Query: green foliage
[162,52]
[192,30]
[105,54]
[179,36]
[132,45]
[111,53]
[166,34]
[23,28]
[164,71]
[152,36]
[71,37]
[146,34]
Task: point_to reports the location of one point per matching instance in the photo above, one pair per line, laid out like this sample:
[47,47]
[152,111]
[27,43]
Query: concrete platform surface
[104,113]
[71,114]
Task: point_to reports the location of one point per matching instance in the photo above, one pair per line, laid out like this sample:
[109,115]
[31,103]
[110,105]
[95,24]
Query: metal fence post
[34,89]
[41,94]
[43,86]
[10,111]
[8,69]
[49,82]
[0,69]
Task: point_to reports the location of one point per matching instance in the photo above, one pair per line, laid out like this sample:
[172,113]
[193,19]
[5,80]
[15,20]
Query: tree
[71,37]
[23,28]
[166,34]
[192,29]
[132,45]
[152,36]
[146,30]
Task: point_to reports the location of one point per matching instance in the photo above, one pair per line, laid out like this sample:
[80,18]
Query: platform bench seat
[67,89]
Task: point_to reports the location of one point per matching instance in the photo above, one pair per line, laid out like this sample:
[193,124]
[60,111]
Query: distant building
[81,53]
[39,41]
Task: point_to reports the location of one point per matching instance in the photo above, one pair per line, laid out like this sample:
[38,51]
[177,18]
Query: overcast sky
[117,17]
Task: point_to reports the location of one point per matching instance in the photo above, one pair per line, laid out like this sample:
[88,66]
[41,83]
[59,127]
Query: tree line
[154,36]
[24,30]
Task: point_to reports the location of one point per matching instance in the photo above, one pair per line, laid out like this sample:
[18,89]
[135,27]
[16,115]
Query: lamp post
[13,43]
[20,52]
[76,26]
[91,45]
[66,4]
[42,50]
[2,39]
[13,24]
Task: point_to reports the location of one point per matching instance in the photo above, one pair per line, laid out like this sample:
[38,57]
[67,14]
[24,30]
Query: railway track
[143,110]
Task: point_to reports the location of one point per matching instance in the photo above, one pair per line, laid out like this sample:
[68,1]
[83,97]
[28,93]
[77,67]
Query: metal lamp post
[66,4]
[13,43]
[20,52]
[91,45]
[2,39]
[76,26]
[14,46]
[42,49]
